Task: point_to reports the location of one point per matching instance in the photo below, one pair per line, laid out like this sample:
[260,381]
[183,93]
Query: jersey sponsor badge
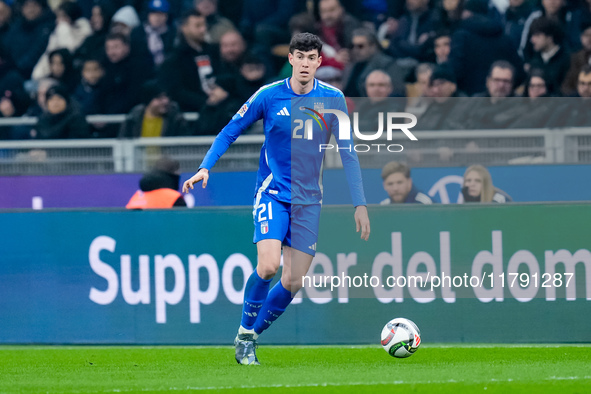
[243,110]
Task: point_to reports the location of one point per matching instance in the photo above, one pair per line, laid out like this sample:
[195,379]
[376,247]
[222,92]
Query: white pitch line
[338,384]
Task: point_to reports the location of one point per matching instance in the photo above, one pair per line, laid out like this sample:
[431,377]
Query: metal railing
[437,148]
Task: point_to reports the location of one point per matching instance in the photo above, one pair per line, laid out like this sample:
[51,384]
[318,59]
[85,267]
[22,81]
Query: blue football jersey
[300,183]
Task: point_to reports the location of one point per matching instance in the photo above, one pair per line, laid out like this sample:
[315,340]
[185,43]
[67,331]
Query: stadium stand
[103,63]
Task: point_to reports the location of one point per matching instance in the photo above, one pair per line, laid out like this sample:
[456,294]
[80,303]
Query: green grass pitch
[301,369]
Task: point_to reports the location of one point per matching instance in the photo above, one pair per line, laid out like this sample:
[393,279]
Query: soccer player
[286,211]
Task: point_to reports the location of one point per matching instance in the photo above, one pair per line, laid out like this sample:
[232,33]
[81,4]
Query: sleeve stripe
[262,89]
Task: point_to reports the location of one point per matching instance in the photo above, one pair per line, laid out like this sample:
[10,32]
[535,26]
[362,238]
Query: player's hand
[362,221]
[202,175]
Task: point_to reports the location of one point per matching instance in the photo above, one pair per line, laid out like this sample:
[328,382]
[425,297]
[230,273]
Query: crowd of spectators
[155,59]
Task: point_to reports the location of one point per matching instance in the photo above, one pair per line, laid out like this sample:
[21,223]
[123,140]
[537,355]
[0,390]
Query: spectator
[187,73]
[442,47]
[61,68]
[35,110]
[61,118]
[159,187]
[447,111]
[367,56]
[558,11]
[87,92]
[477,44]
[70,32]
[157,116]
[232,51]
[219,108]
[304,22]
[251,78]
[5,17]
[584,13]
[478,187]
[336,26]
[414,30]
[500,82]
[154,39]
[494,110]
[416,92]
[13,98]
[514,19]
[549,53]
[378,86]
[217,25]
[537,84]
[29,34]
[575,112]
[94,45]
[584,83]
[124,21]
[263,22]
[449,15]
[578,60]
[535,112]
[124,76]
[399,186]
[332,76]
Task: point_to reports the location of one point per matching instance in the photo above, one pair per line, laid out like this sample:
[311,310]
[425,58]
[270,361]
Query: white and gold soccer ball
[401,338]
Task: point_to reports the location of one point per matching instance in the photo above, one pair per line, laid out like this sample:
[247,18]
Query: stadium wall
[176,276]
[523,183]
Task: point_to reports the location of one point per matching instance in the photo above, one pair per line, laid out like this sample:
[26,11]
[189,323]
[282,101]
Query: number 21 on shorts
[265,209]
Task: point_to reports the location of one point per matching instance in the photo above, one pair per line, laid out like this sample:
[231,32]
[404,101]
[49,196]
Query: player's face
[473,181]
[397,186]
[304,65]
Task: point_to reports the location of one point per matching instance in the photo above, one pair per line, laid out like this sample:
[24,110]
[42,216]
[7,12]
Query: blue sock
[255,293]
[277,300]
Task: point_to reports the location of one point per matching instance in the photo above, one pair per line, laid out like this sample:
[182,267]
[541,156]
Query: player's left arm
[353,174]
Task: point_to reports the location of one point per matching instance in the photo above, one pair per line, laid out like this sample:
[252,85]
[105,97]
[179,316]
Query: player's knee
[266,271]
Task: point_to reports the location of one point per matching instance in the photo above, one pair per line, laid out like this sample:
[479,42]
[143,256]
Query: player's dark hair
[305,42]
[118,36]
[393,167]
[187,14]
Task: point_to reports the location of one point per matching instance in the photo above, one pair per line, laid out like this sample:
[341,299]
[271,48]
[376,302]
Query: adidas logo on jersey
[283,112]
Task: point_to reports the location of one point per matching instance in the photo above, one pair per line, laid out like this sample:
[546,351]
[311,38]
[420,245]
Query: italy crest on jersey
[264,227]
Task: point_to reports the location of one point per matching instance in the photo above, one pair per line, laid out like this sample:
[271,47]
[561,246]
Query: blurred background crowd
[154,60]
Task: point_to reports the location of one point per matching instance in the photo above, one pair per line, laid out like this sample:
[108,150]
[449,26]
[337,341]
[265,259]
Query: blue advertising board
[177,276]
[524,183]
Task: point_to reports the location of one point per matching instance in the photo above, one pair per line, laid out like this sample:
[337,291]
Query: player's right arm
[249,113]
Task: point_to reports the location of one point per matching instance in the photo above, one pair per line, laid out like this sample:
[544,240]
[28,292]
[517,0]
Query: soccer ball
[401,338]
